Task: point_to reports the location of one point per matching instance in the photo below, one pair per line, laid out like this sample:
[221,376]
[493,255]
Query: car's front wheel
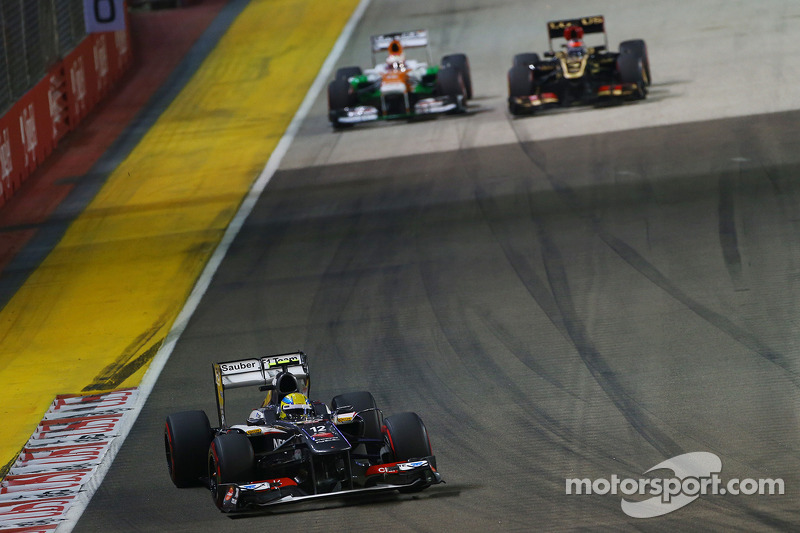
[407,438]
[230,460]
[461,64]
[631,71]
[638,48]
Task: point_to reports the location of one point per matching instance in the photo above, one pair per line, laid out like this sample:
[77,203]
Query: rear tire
[187,436]
[360,401]
[526,59]
[461,64]
[230,460]
[345,73]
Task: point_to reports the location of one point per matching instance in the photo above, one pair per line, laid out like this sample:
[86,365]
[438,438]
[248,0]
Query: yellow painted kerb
[104,299]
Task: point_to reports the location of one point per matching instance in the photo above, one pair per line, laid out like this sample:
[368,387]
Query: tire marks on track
[554,298]
[649,271]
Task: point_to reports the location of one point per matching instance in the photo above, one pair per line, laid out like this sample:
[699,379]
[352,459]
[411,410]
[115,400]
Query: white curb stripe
[160,360]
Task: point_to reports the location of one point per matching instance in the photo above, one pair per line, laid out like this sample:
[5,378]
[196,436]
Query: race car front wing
[405,475]
[433,105]
[603,93]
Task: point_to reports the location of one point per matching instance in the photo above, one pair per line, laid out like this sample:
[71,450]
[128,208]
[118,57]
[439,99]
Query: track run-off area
[583,294]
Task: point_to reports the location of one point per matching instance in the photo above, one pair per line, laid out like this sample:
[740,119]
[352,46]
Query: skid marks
[649,271]
[552,295]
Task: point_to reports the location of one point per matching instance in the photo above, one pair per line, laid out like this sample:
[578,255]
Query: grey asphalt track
[574,306]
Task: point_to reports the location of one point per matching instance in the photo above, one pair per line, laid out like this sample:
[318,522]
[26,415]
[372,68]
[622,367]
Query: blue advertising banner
[104,15]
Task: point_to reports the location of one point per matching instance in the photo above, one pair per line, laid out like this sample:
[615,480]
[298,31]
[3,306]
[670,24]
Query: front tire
[230,460]
[187,436]
[520,84]
[631,70]
[638,48]
[340,95]
[461,64]
[407,438]
[450,83]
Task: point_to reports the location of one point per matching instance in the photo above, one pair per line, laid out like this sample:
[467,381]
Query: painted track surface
[579,306]
[33,222]
[93,314]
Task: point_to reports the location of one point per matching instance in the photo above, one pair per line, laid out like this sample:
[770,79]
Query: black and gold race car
[578,73]
[291,448]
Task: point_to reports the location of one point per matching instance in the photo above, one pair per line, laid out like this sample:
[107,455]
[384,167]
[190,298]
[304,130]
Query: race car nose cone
[393,87]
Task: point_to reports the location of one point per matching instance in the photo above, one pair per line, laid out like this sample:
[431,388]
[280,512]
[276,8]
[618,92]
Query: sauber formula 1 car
[399,87]
[578,74]
[293,449]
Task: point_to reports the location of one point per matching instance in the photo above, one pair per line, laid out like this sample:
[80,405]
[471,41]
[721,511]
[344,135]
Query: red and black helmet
[573,32]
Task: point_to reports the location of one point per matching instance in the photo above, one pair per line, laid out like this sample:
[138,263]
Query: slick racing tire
[362,401]
[631,70]
[461,64]
[526,59]
[340,94]
[638,48]
[520,83]
[407,439]
[450,83]
[230,460]
[407,436]
[345,73]
[187,436]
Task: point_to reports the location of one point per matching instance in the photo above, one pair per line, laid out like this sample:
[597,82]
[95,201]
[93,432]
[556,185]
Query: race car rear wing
[408,39]
[261,372]
[595,24]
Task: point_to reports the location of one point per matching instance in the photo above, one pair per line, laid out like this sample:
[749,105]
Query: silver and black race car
[293,449]
[578,73]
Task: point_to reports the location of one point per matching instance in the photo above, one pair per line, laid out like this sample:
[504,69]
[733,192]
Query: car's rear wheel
[526,59]
[461,64]
[345,73]
[187,436]
[363,402]
[638,48]
[230,460]
[372,429]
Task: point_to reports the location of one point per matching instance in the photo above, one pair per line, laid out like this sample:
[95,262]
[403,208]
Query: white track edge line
[204,281]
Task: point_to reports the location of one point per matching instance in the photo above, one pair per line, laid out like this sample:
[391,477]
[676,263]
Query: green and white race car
[399,87]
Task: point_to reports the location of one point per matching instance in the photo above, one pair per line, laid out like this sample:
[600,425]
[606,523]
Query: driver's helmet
[294,406]
[396,59]
[573,34]
[574,37]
